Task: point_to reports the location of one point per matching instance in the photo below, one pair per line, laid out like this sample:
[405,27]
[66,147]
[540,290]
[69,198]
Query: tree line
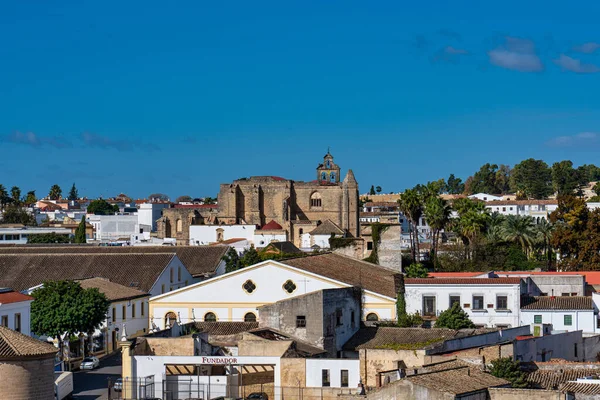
[529,179]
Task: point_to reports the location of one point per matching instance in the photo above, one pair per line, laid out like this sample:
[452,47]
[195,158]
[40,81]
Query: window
[454,299]
[565,294]
[249,286]
[369,245]
[171,274]
[325,382]
[18,322]
[429,305]
[210,317]
[568,320]
[124,313]
[300,321]
[179,225]
[179,274]
[323,176]
[575,349]
[289,286]
[332,177]
[328,163]
[339,317]
[477,302]
[249,317]
[543,294]
[502,302]
[162,288]
[573,294]
[537,319]
[142,308]
[315,199]
[352,316]
[4,321]
[114,315]
[372,317]
[300,231]
[132,310]
[344,377]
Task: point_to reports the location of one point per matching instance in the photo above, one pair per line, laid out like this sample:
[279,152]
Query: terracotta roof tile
[327,228]
[581,388]
[454,274]
[463,281]
[457,381]
[225,328]
[13,297]
[372,277]
[113,291]
[552,379]
[198,260]
[15,345]
[271,226]
[557,303]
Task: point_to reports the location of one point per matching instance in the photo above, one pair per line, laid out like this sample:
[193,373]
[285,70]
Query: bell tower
[328,172]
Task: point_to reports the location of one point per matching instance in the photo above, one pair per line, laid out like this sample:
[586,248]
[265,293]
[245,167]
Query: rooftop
[455,274]
[13,297]
[286,247]
[462,281]
[557,303]
[271,226]
[15,345]
[552,379]
[587,388]
[457,381]
[371,277]
[327,228]
[113,291]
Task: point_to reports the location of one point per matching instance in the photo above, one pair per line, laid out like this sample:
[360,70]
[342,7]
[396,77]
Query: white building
[148,213]
[116,227]
[21,235]
[489,302]
[207,234]
[537,209]
[565,314]
[319,236]
[235,296]
[271,232]
[485,197]
[15,311]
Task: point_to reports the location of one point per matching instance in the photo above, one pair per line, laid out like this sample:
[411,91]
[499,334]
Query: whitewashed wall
[314,368]
[581,320]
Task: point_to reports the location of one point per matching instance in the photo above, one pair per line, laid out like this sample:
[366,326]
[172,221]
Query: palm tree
[519,230]
[471,225]
[3,196]
[544,231]
[15,193]
[437,212]
[411,205]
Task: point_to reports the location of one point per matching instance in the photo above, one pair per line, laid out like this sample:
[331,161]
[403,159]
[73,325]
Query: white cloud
[579,140]
[574,65]
[516,54]
[587,48]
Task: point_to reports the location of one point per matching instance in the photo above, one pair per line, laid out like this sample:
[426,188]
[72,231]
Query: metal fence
[146,389]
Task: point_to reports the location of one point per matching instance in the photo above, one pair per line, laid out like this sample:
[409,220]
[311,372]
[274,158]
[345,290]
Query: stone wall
[27,379]
[373,361]
[389,250]
[524,394]
[171,346]
[405,390]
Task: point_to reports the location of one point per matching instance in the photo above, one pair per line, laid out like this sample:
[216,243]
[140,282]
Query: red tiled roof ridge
[13,297]
[462,281]
[271,226]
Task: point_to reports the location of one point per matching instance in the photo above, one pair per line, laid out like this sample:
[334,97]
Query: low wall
[523,394]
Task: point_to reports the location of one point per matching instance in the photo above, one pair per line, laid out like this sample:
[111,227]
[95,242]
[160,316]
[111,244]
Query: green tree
[454,318]
[372,191]
[14,214]
[4,198]
[183,199]
[47,238]
[209,200]
[437,213]
[250,257]
[417,270]
[154,197]
[73,194]
[80,236]
[519,230]
[544,230]
[401,316]
[502,179]
[510,370]
[484,180]
[64,308]
[15,194]
[596,188]
[378,189]
[591,172]
[455,185]
[411,205]
[55,192]
[102,207]
[232,260]
[30,198]
[532,178]
[566,179]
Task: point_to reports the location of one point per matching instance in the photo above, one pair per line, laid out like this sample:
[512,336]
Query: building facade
[291,204]
[15,311]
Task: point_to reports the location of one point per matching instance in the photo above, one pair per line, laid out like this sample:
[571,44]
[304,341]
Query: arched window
[167,228]
[300,231]
[179,225]
[315,200]
[372,317]
[332,175]
[210,317]
[250,317]
[170,318]
[323,176]
[328,164]
[220,235]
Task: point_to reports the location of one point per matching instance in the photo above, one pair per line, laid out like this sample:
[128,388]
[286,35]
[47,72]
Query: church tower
[328,172]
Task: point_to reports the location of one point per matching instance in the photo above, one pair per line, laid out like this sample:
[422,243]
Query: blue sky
[143,97]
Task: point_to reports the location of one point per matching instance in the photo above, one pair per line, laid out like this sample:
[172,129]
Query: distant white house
[116,227]
[207,234]
[15,311]
[485,197]
[149,213]
[21,235]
